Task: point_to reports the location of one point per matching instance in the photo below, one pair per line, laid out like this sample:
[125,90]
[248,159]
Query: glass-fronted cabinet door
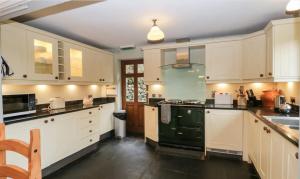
[74,62]
[43,57]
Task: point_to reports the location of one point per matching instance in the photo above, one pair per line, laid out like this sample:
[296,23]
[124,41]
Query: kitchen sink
[291,122]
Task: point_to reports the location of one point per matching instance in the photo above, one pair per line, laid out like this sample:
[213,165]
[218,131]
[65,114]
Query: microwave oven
[18,104]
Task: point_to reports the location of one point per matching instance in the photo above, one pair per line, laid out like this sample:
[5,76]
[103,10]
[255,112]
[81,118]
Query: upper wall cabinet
[254,57]
[42,57]
[152,63]
[34,55]
[283,50]
[223,61]
[100,66]
[14,50]
[74,62]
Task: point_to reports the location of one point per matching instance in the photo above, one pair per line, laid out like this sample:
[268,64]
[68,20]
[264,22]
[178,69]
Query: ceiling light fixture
[155,35]
[293,7]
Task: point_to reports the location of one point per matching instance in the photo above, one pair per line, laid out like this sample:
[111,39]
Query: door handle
[179,116]
[173,128]
[179,133]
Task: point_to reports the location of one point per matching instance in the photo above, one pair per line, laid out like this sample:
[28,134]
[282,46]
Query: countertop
[47,113]
[290,134]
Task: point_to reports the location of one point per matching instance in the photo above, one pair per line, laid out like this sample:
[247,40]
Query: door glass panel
[140,68]
[129,69]
[76,62]
[141,90]
[129,89]
[43,59]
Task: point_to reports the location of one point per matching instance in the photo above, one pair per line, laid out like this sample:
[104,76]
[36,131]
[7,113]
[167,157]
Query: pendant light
[155,35]
[293,6]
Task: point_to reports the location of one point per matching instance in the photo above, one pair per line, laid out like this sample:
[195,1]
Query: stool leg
[2,152]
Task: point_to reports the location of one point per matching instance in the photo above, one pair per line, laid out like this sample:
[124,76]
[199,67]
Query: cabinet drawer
[84,122]
[87,141]
[87,131]
[87,113]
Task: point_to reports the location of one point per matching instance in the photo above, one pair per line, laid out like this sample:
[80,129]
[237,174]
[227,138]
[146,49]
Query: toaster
[223,98]
[57,103]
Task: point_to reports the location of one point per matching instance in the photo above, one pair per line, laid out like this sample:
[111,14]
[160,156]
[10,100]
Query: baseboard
[107,135]
[223,155]
[151,143]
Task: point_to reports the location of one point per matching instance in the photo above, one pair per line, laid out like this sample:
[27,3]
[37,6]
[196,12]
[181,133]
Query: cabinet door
[42,57]
[276,156]
[224,129]
[74,62]
[151,123]
[106,68]
[254,140]
[254,57]
[20,131]
[66,135]
[264,152]
[286,41]
[106,117]
[291,163]
[152,63]
[14,50]
[223,61]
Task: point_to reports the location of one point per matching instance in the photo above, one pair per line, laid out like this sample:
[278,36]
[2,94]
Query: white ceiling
[113,23]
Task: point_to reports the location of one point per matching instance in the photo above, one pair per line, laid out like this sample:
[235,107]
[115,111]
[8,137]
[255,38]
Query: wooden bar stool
[30,151]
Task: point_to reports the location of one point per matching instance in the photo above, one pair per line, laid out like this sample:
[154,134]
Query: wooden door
[133,94]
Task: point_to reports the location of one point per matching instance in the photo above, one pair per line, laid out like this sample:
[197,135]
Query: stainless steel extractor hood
[182,58]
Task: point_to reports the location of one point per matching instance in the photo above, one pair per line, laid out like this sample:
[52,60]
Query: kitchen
[186,101]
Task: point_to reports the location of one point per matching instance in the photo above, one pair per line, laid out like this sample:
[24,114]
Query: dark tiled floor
[132,159]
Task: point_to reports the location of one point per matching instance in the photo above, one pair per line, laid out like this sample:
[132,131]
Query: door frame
[123,87]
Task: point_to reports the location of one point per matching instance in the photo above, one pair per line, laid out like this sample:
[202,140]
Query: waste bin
[120,123]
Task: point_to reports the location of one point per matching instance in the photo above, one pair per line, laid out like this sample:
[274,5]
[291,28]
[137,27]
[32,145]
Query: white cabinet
[62,135]
[283,50]
[42,57]
[151,122]
[106,117]
[223,61]
[224,129]
[273,156]
[253,139]
[74,56]
[14,50]
[106,67]
[291,161]
[254,57]
[264,151]
[276,156]
[152,65]
[100,66]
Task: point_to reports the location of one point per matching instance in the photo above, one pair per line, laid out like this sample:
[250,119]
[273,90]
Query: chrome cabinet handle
[179,133]
[180,116]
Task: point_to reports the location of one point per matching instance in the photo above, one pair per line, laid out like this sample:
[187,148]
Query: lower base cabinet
[62,135]
[151,122]
[224,130]
[273,156]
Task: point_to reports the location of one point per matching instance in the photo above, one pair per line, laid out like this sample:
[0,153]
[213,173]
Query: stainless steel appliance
[186,126]
[279,101]
[19,104]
